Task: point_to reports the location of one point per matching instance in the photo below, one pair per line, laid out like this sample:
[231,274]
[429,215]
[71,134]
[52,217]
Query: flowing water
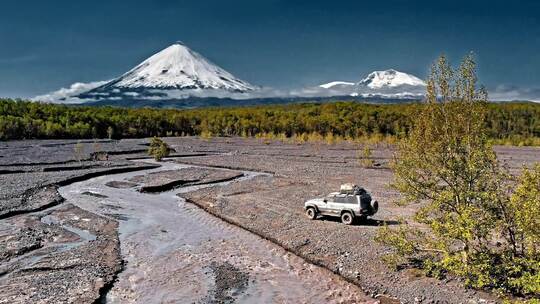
[178,253]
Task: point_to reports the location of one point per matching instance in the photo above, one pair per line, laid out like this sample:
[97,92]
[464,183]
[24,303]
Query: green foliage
[365,157]
[510,123]
[158,149]
[527,301]
[482,227]
[401,239]
[525,204]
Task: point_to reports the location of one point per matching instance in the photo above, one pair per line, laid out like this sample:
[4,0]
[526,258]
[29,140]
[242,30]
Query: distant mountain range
[182,78]
[385,84]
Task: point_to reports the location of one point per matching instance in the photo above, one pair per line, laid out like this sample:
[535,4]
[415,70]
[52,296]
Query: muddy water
[178,253]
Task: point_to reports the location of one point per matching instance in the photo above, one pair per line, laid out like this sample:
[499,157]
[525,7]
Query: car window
[340,199]
[345,199]
[351,199]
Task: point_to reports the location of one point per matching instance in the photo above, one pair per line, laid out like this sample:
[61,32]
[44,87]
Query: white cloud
[512,92]
[65,95]
[264,92]
[267,92]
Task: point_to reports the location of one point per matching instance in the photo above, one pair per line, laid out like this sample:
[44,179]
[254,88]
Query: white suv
[352,202]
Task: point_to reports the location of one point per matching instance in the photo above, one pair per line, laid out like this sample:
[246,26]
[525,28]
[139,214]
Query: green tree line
[517,123]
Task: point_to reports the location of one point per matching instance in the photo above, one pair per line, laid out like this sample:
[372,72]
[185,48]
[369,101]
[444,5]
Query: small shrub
[98,154]
[78,152]
[300,138]
[365,157]
[206,135]
[110,132]
[314,137]
[330,138]
[158,149]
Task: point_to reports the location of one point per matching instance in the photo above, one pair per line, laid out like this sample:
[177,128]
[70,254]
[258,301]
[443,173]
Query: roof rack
[350,188]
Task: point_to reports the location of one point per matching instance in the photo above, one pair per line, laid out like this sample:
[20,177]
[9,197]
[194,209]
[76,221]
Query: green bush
[158,149]
[365,157]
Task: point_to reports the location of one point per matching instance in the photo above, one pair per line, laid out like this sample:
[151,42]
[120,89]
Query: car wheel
[311,213]
[347,218]
[362,218]
[375,207]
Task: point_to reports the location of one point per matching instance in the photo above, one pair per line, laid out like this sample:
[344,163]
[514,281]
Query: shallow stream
[177,253]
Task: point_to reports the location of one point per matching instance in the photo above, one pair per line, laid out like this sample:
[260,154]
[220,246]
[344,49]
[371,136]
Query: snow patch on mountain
[385,84]
[177,72]
[175,68]
[390,78]
[179,67]
[336,83]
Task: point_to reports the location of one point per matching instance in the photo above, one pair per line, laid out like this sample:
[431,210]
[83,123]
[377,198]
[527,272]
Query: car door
[326,207]
[337,204]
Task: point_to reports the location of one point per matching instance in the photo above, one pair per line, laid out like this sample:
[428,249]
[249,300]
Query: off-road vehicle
[350,203]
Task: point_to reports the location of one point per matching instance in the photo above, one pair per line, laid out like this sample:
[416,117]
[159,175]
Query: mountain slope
[390,78]
[385,84]
[177,68]
[182,76]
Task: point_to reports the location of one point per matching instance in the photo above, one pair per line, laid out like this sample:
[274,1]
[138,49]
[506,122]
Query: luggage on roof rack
[350,188]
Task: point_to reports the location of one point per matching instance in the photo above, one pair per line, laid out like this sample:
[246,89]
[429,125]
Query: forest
[507,123]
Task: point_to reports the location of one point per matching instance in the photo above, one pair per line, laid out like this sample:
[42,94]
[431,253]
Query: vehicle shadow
[374,222]
[366,222]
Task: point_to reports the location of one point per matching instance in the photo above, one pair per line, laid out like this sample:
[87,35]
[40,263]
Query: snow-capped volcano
[387,84]
[176,68]
[180,77]
[179,67]
[390,78]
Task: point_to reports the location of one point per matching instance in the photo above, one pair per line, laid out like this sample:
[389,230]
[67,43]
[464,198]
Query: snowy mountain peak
[390,78]
[386,84]
[178,67]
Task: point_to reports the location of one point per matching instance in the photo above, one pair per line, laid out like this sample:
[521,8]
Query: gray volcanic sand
[54,250]
[273,208]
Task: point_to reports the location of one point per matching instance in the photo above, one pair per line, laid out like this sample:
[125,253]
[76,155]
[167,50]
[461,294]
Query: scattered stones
[69,259]
[272,207]
[55,252]
[230,282]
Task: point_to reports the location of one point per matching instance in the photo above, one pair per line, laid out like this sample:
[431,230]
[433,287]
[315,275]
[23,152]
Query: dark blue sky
[45,45]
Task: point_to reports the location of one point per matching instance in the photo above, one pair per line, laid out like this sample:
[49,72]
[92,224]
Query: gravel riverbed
[66,235]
